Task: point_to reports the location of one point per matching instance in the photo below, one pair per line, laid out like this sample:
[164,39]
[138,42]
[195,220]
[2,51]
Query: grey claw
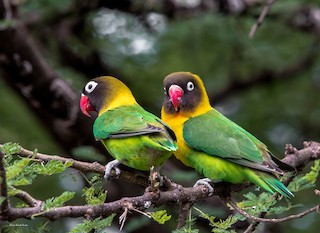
[160,177]
[205,182]
[118,172]
[112,165]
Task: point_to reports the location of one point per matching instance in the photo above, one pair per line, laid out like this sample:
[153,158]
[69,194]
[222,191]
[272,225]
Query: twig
[262,16]
[123,218]
[8,12]
[127,207]
[27,198]
[271,220]
[299,158]
[263,214]
[5,206]
[185,208]
[253,225]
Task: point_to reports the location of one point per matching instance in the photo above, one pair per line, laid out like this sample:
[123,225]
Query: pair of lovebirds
[196,133]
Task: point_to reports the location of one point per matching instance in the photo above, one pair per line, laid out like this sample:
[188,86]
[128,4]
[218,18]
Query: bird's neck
[120,100]
[184,114]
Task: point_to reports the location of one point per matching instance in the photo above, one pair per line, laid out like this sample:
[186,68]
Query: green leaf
[16,168]
[160,216]
[306,181]
[221,225]
[224,225]
[94,196]
[20,172]
[256,204]
[97,224]
[51,167]
[12,191]
[281,209]
[264,202]
[58,201]
[26,177]
[205,216]
[11,148]
[21,205]
[21,181]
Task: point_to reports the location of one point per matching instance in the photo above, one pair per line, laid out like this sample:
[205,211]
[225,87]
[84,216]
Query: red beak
[85,105]
[175,93]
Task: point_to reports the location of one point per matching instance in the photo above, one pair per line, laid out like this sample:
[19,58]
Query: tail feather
[277,186]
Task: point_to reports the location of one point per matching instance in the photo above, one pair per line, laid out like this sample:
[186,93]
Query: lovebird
[133,136]
[213,145]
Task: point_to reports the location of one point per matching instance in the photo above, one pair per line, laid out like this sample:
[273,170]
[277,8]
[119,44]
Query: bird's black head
[183,91]
[93,95]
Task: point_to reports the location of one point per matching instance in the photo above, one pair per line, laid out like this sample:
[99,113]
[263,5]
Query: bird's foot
[112,165]
[206,182]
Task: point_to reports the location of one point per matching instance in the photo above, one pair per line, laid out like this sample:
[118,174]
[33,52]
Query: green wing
[216,135]
[133,120]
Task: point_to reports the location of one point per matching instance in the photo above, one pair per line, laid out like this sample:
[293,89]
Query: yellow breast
[176,124]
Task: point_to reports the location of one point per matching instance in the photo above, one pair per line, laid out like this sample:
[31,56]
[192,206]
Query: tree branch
[85,166]
[253,225]
[28,199]
[178,194]
[293,157]
[261,18]
[175,194]
[49,96]
[184,210]
[271,220]
[299,158]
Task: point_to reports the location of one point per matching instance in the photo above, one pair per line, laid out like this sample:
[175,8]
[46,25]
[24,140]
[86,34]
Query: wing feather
[133,120]
[216,135]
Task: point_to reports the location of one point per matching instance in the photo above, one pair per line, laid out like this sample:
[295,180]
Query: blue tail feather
[277,186]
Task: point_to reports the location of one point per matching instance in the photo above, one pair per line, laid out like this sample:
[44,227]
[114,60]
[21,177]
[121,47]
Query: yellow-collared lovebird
[133,136]
[211,143]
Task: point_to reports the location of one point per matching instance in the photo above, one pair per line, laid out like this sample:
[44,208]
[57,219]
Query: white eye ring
[190,86]
[90,86]
[165,90]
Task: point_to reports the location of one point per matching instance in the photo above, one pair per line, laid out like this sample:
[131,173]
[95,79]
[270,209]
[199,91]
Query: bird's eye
[165,91]
[90,86]
[190,86]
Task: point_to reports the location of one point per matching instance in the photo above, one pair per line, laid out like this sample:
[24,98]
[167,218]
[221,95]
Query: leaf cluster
[307,180]
[58,201]
[96,225]
[188,226]
[160,216]
[23,171]
[95,194]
